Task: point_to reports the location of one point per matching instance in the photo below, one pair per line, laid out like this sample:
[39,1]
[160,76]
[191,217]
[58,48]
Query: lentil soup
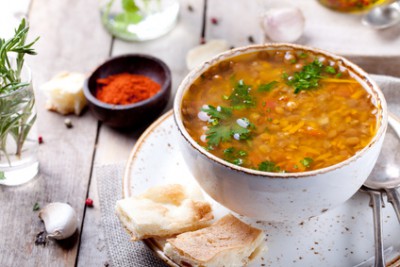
[279,111]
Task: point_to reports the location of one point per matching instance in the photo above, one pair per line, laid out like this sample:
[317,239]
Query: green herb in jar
[16,119]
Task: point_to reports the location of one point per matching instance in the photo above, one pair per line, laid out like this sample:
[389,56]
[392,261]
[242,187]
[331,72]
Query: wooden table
[73,39]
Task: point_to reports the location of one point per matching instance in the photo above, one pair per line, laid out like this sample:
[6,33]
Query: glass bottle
[18,134]
[139,20]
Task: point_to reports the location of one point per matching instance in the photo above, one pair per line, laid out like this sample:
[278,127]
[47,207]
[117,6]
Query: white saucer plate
[340,237]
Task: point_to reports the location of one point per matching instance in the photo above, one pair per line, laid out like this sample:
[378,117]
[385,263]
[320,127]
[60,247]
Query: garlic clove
[199,54]
[59,219]
[284,24]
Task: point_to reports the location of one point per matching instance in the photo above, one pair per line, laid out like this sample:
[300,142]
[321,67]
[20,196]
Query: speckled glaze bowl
[281,196]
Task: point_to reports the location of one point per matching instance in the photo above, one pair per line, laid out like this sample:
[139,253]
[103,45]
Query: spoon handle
[394,198]
[376,204]
[394,121]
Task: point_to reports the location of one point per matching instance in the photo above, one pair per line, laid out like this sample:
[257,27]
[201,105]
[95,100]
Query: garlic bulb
[284,24]
[59,220]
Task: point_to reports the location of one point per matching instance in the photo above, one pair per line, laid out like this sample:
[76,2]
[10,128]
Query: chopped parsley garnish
[240,97]
[307,78]
[2,176]
[208,148]
[219,112]
[36,207]
[330,69]
[229,151]
[303,55]
[240,133]
[217,134]
[267,87]
[238,161]
[306,162]
[234,155]
[268,166]
[222,126]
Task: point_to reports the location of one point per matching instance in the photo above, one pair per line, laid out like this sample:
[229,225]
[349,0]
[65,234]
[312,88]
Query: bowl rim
[360,74]
[166,86]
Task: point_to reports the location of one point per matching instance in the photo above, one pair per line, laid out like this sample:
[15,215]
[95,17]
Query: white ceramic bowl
[281,196]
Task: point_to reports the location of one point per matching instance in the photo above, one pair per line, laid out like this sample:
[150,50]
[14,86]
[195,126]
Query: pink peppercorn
[89,202]
[214,21]
[40,139]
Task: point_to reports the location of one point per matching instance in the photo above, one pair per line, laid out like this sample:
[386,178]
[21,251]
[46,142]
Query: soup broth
[279,111]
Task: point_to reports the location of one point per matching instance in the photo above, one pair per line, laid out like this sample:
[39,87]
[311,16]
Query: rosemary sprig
[10,75]
[16,110]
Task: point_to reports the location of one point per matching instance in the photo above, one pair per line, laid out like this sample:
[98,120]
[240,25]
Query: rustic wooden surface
[73,39]
[114,146]
[66,155]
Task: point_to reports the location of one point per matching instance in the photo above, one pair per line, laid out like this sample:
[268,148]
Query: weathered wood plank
[172,49]
[375,51]
[71,41]
[238,23]
[113,145]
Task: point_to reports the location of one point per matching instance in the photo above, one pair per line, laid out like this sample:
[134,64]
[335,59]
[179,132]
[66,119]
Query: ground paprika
[125,88]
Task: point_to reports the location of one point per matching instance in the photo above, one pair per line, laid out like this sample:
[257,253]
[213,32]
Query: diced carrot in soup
[262,113]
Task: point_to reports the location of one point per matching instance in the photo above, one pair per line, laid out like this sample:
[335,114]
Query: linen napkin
[121,251]
[390,87]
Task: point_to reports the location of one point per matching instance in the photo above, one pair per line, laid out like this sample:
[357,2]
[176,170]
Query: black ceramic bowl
[127,116]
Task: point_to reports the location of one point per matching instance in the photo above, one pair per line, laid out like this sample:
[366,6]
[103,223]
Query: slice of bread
[64,93]
[164,211]
[228,242]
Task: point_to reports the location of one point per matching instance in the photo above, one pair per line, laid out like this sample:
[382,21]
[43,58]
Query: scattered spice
[89,202]
[126,88]
[190,8]
[41,238]
[36,207]
[251,39]
[68,123]
[214,21]
[40,139]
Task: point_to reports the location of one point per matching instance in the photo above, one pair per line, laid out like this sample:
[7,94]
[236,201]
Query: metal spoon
[383,17]
[385,176]
[376,204]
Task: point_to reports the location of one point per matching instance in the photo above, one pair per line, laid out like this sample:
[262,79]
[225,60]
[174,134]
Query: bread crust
[228,242]
[164,211]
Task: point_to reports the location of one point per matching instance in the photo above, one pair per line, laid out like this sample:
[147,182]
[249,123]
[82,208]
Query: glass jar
[353,6]
[139,20]
[18,134]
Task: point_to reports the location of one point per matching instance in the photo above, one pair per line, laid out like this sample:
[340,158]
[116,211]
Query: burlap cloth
[121,251]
